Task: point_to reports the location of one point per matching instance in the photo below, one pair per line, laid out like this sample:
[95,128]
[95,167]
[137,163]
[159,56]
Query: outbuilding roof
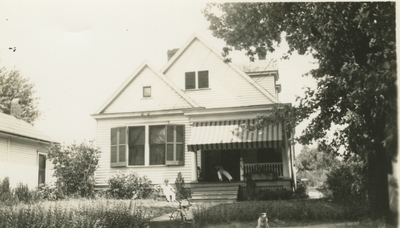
[13,126]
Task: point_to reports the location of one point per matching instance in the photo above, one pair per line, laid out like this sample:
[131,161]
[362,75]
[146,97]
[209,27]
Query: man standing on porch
[220,171]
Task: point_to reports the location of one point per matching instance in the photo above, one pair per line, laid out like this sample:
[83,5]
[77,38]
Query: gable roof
[133,76]
[243,74]
[258,66]
[11,125]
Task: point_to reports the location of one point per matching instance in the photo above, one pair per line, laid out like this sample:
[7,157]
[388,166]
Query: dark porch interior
[229,159]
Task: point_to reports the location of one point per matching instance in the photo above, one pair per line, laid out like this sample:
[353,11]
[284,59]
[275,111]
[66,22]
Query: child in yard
[169,191]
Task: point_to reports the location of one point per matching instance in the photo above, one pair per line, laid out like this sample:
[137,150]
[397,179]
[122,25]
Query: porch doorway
[229,159]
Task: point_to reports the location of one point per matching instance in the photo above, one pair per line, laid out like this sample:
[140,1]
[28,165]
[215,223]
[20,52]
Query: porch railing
[275,167]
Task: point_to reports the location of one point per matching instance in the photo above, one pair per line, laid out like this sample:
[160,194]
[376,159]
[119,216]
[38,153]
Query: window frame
[144,93]
[118,145]
[39,168]
[187,75]
[136,145]
[201,73]
[196,75]
[167,162]
[175,161]
[150,144]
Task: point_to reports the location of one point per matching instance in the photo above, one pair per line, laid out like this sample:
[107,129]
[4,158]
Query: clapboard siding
[267,82]
[162,95]
[21,153]
[20,162]
[3,149]
[157,174]
[227,87]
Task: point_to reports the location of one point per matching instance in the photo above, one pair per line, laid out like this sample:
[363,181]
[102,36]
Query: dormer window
[196,80]
[146,91]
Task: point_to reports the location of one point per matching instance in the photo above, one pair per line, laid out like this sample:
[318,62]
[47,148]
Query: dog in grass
[262,221]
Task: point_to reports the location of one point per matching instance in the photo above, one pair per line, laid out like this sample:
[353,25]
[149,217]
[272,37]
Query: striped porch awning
[228,135]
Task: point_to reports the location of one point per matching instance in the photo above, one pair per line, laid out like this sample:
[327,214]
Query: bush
[249,194]
[302,189]
[5,191]
[74,167]
[128,186]
[49,192]
[347,183]
[22,193]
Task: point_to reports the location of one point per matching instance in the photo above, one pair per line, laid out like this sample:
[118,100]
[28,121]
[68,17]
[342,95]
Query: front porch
[229,191]
[262,155]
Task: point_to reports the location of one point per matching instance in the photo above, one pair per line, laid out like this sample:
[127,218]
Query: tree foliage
[14,85]
[345,183]
[74,167]
[314,164]
[312,159]
[355,46]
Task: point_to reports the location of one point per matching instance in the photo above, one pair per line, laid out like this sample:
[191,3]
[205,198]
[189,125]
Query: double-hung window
[118,147]
[164,145]
[157,144]
[136,145]
[175,144]
[196,80]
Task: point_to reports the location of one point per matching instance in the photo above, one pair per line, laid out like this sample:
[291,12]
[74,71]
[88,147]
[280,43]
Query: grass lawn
[138,213]
[285,213]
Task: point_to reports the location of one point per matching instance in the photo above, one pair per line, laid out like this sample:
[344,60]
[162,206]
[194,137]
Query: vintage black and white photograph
[198,114]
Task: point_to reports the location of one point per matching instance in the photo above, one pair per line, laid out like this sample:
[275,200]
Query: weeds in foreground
[293,210]
[77,213]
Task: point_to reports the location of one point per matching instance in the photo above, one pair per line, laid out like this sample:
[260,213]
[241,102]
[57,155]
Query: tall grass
[76,213]
[291,210]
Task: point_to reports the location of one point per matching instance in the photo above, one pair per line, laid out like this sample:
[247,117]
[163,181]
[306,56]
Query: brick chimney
[16,108]
[172,52]
[262,56]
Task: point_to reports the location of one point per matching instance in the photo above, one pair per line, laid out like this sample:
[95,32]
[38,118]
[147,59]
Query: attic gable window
[196,80]
[146,91]
[190,80]
[203,79]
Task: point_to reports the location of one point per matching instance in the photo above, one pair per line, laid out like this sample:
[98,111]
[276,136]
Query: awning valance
[227,135]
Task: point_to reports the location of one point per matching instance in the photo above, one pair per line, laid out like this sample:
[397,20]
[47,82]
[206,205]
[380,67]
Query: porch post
[194,167]
[241,169]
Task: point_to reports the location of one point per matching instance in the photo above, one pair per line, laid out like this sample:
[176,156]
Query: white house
[188,115]
[23,151]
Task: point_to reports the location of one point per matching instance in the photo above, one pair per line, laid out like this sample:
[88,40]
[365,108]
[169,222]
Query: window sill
[197,89]
[146,98]
[145,166]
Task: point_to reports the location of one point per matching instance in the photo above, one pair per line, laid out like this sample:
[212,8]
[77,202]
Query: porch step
[215,192]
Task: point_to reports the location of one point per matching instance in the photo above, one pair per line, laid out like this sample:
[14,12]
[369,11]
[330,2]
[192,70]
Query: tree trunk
[378,189]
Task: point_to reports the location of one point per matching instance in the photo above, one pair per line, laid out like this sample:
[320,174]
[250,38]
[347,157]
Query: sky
[77,53]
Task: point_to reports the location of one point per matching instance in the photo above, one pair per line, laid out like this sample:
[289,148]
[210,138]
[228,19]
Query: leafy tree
[311,159]
[355,46]
[345,182]
[74,167]
[13,85]
[314,165]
